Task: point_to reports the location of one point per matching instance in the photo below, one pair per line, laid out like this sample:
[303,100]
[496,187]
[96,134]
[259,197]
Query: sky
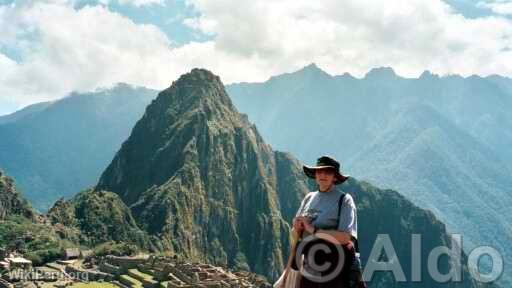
[49,48]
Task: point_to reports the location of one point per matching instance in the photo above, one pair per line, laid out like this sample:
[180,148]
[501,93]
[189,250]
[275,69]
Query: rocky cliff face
[199,176]
[11,202]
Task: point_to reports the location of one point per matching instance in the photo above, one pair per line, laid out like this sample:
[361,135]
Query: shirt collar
[333,187]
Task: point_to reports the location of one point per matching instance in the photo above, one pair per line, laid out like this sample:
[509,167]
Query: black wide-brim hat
[326,162]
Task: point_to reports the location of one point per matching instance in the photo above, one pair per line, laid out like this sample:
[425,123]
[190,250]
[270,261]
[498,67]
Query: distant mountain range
[195,176]
[443,142]
[55,149]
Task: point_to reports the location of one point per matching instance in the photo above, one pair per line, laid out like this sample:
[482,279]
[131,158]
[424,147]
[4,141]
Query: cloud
[501,7]
[64,49]
[79,50]
[354,35]
[136,3]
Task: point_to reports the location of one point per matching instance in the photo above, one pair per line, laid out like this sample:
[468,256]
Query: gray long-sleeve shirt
[324,207]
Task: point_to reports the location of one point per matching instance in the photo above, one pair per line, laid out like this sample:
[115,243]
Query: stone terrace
[168,272]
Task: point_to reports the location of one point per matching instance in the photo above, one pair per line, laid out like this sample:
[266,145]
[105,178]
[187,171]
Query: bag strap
[293,252]
[306,202]
[340,204]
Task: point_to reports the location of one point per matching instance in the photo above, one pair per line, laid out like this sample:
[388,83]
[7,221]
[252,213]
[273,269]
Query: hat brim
[310,172]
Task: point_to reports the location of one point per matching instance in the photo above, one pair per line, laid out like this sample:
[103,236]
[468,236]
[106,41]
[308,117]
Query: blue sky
[168,17]
[49,48]
[470,8]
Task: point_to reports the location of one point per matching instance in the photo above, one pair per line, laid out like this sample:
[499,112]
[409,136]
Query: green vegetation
[115,248]
[38,242]
[22,230]
[11,201]
[101,217]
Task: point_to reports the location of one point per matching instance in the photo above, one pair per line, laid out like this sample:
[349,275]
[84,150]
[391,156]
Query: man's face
[325,177]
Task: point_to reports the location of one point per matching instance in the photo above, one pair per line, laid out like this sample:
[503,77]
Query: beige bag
[292,280]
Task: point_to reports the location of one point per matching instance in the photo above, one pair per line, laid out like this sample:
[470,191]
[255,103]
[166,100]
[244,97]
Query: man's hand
[298,223]
[303,223]
[308,226]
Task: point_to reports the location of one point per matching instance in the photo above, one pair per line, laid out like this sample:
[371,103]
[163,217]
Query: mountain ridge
[226,180]
[212,189]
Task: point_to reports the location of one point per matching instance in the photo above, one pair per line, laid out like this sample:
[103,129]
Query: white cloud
[502,7]
[64,49]
[140,3]
[81,50]
[355,35]
[136,3]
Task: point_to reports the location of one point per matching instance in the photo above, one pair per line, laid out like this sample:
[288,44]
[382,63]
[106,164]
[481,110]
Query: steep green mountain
[11,202]
[200,178]
[197,174]
[23,230]
[443,142]
[48,148]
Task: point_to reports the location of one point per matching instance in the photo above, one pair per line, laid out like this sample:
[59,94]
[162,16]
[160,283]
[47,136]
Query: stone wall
[109,268]
[126,263]
[88,275]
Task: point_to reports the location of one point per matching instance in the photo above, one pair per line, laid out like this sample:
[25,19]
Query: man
[322,220]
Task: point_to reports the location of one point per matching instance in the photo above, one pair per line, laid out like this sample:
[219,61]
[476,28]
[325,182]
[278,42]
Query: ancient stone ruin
[133,271]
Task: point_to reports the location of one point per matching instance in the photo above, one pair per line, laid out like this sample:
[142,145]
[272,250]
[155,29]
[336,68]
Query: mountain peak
[310,71]
[197,84]
[345,75]
[312,68]
[196,103]
[198,92]
[381,73]
[428,75]
[198,74]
